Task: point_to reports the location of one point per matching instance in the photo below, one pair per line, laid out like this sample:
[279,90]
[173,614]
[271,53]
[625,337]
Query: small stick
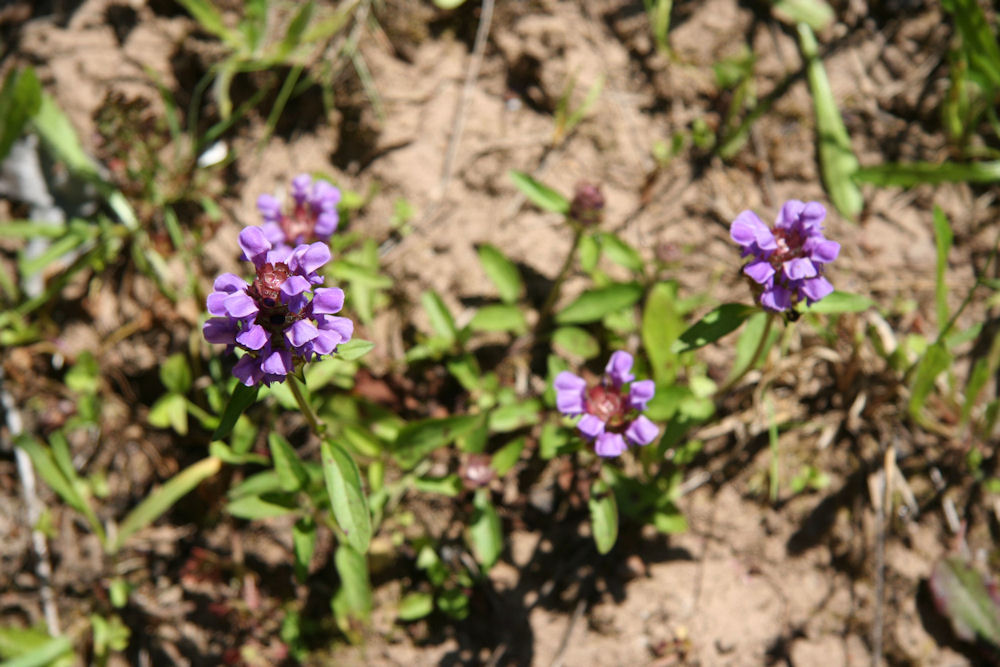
[882,508]
[43,568]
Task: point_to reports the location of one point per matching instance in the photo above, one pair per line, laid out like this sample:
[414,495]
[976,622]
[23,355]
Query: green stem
[318,426]
[761,344]
[550,301]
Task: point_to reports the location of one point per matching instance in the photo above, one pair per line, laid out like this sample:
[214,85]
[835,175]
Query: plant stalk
[318,425]
[546,310]
[753,359]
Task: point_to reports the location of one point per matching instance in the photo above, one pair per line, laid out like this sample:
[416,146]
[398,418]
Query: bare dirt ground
[751,583]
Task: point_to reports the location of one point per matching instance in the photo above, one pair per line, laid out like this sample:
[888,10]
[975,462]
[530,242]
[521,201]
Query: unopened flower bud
[587,206]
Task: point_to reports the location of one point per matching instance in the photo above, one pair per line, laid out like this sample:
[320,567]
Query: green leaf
[962,595]
[296,29]
[507,456]
[670,522]
[354,349]
[908,174]
[943,238]
[253,508]
[466,370]
[347,497]
[303,544]
[716,324]
[352,603]
[48,652]
[838,163]
[243,397]
[817,14]
[589,252]
[418,439]
[661,325]
[575,342]
[210,19]
[502,272]
[162,499]
[553,441]
[499,317]
[19,100]
[84,376]
[449,485]
[60,138]
[291,473]
[538,194]
[934,361]
[66,487]
[170,411]
[485,533]
[440,317]
[415,606]
[749,341]
[514,416]
[620,252]
[449,4]
[839,302]
[603,516]
[594,304]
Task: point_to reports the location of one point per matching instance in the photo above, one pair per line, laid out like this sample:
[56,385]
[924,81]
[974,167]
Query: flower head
[281,319]
[787,260]
[313,215]
[587,207]
[611,412]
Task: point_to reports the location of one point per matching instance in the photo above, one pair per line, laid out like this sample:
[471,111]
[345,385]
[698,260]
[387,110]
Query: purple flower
[787,261]
[611,412]
[281,319]
[313,216]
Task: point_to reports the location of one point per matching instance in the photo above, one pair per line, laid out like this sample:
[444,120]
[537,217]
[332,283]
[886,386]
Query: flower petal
[610,445]
[640,393]
[822,251]
[220,330]
[254,244]
[642,431]
[799,269]
[748,229]
[229,282]
[760,271]
[327,300]
[342,325]
[240,305]
[307,259]
[301,333]
[300,187]
[247,370]
[591,426]
[254,337]
[325,342]
[279,362]
[269,207]
[790,213]
[619,367]
[777,298]
[326,224]
[294,286]
[816,288]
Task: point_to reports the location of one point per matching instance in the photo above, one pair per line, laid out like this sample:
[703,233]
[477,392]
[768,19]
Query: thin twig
[478,49]
[882,510]
[43,568]
[581,604]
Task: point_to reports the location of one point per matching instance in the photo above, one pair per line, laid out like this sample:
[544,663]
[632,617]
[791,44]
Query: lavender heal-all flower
[611,412]
[281,319]
[787,260]
[313,215]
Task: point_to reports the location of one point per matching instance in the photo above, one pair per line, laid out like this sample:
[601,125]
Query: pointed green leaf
[352,603]
[439,315]
[539,194]
[943,238]
[603,516]
[19,100]
[620,252]
[347,496]
[418,439]
[502,272]
[243,397]
[354,349]
[415,606]
[917,173]
[838,163]
[661,325]
[713,326]
[594,304]
[169,411]
[839,302]
[936,359]
[163,498]
[291,473]
[962,595]
[575,342]
[485,533]
[499,317]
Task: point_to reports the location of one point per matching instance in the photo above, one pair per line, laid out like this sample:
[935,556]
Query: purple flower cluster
[313,217]
[281,319]
[788,259]
[611,413]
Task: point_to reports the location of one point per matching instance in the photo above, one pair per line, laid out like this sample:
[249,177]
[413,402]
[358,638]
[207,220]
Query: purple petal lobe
[247,370]
[229,282]
[591,426]
[300,187]
[254,244]
[642,431]
[269,207]
[342,325]
[777,299]
[822,251]
[790,212]
[294,286]
[253,338]
[240,305]
[799,269]
[812,215]
[816,288]
[325,342]
[610,445]
[619,367]
[639,393]
[219,330]
[301,333]
[278,362]
[748,229]
[327,300]
[760,271]
[569,382]
[307,259]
